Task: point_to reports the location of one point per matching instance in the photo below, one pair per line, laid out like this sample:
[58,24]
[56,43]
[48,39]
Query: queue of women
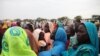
[78,39]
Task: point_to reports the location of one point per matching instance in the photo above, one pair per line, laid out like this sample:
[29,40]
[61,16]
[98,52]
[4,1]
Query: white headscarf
[51,26]
[36,33]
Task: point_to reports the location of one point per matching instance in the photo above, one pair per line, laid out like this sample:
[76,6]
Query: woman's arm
[33,42]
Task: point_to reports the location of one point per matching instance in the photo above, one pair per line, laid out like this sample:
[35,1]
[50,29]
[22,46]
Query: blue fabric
[93,48]
[45,53]
[83,50]
[69,52]
[92,31]
[59,24]
[86,49]
[59,44]
[61,35]
[58,48]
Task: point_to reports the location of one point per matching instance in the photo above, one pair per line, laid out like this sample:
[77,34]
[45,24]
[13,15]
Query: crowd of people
[50,39]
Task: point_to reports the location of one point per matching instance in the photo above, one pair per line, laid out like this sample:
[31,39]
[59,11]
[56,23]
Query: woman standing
[87,39]
[16,43]
[58,46]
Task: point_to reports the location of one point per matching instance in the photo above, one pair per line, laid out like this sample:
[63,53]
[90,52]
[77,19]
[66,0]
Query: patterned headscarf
[15,43]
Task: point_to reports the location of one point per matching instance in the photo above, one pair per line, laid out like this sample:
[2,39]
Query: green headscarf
[15,43]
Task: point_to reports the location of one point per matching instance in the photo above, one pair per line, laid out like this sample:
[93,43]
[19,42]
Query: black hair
[46,28]
[18,23]
[29,27]
[52,36]
[41,36]
[72,32]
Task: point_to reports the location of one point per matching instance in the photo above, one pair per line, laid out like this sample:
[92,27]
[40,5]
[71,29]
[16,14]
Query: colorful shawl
[15,43]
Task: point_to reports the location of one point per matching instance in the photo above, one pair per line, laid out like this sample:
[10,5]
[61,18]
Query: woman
[1,35]
[71,36]
[36,33]
[58,44]
[89,31]
[33,43]
[16,43]
[87,41]
[47,36]
[42,42]
[29,27]
[2,31]
[32,40]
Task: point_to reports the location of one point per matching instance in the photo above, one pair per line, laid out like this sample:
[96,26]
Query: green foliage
[78,18]
[61,19]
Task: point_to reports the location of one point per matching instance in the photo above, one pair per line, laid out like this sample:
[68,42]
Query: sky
[48,8]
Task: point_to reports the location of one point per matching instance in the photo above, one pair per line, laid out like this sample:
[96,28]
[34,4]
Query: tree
[78,18]
[96,17]
[18,20]
[39,19]
[64,20]
[53,20]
